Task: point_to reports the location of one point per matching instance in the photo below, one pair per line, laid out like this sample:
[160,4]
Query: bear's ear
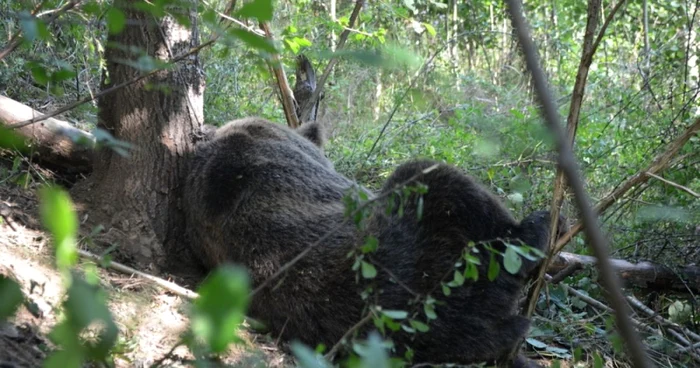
[313,132]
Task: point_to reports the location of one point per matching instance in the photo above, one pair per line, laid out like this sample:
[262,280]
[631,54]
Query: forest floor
[150,319]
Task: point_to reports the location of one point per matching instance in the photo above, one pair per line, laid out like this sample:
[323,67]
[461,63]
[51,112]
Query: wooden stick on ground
[167,285]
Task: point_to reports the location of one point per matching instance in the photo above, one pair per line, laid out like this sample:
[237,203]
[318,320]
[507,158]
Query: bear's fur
[259,193]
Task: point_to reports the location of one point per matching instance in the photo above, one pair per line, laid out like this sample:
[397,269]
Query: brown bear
[259,194]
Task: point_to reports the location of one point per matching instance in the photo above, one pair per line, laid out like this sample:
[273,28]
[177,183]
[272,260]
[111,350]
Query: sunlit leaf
[220,308]
[116,20]
[253,40]
[307,358]
[58,216]
[11,140]
[512,261]
[260,9]
[368,270]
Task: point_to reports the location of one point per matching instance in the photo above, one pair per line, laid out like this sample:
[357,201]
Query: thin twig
[568,165]
[675,185]
[566,272]
[334,350]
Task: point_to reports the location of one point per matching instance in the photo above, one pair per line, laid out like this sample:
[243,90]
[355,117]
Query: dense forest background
[444,80]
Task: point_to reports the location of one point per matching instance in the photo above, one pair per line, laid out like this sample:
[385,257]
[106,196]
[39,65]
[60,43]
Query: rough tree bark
[137,197]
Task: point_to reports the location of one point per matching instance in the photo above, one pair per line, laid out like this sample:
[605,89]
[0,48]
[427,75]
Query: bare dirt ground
[150,319]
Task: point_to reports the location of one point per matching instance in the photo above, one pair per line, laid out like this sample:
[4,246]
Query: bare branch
[334,350]
[334,60]
[286,94]
[568,165]
[675,185]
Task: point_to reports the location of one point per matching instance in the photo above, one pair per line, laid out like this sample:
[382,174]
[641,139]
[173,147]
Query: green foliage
[59,218]
[220,308]
[11,296]
[307,358]
[11,140]
[84,312]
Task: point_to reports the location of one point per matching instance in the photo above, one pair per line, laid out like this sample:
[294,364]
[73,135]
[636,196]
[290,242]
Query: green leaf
[220,308]
[512,261]
[446,290]
[59,218]
[430,29]
[494,268]
[371,245]
[62,75]
[8,139]
[537,344]
[253,40]
[429,310]
[419,326]
[419,208]
[40,74]
[10,297]
[368,270]
[29,25]
[395,314]
[458,278]
[260,9]
[307,358]
[373,352]
[85,306]
[115,20]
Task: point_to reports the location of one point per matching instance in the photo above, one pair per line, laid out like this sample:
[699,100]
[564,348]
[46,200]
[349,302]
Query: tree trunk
[136,198]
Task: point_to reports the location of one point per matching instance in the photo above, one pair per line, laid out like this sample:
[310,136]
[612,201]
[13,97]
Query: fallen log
[53,141]
[643,274]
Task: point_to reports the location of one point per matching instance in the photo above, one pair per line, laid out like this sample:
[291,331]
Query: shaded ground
[150,319]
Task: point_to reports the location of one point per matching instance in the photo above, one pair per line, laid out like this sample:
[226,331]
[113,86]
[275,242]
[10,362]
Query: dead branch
[675,185]
[334,60]
[167,285]
[285,91]
[661,320]
[569,166]
[51,139]
[680,349]
[643,274]
[659,164]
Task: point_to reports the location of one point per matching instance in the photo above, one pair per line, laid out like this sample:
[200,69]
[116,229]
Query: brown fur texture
[259,193]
